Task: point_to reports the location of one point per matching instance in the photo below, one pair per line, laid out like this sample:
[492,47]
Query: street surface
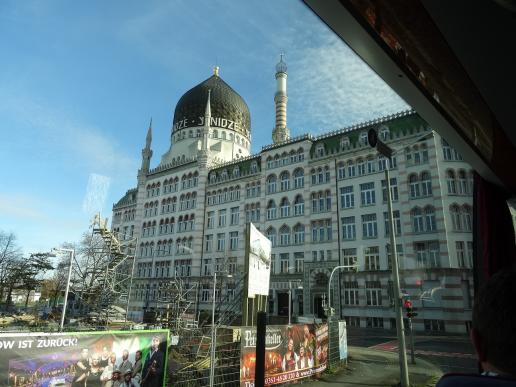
[449,353]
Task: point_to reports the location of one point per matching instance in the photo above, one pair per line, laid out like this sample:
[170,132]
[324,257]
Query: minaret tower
[281,132]
[204,151]
[146,152]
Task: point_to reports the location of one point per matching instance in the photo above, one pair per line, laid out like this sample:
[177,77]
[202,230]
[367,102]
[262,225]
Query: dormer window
[384,133]
[319,151]
[254,167]
[363,138]
[236,172]
[224,174]
[344,142]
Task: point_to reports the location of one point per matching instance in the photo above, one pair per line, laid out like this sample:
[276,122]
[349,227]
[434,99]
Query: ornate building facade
[321,200]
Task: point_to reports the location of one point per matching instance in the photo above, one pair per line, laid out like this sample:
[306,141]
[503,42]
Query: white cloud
[331,87]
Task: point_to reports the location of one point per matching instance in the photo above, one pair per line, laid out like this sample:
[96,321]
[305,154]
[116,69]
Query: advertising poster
[85,359]
[291,353]
[259,263]
[343,340]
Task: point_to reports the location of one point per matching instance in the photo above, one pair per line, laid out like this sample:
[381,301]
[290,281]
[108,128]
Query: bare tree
[10,254]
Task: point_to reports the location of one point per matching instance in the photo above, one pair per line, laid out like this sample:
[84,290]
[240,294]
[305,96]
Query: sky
[80,82]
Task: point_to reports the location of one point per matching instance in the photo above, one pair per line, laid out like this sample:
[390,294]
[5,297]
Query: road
[449,353]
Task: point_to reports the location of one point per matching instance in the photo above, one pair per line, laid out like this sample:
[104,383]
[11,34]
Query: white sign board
[259,262]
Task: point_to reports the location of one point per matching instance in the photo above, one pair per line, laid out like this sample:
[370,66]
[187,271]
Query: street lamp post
[387,152]
[213,334]
[72,255]
[330,309]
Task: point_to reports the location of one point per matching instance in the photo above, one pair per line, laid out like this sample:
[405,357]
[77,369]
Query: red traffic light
[408,304]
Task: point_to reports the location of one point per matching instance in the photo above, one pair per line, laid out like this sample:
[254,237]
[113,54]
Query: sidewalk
[370,367]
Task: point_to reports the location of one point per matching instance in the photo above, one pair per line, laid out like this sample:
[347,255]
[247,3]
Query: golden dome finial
[216,71]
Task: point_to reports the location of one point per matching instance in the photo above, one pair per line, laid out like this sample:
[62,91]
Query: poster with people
[84,359]
[291,353]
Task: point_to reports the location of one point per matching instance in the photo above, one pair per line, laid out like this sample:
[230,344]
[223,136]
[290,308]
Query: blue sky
[81,80]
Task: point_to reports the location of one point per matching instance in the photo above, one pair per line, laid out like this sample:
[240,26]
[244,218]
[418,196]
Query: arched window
[467,218]
[271,184]
[363,138]
[299,178]
[284,208]
[299,205]
[430,224]
[451,183]
[284,235]
[299,234]
[271,235]
[456,217]
[414,186]
[417,220]
[344,142]
[284,181]
[463,183]
[351,169]
[271,210]
[341,170]
[426,184]
[361,166]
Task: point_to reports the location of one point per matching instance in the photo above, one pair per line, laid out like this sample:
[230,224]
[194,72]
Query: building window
[206,267]
[271,235]
[222,218]
[284,263]
[430,224]
[417,220]
[399,251]
[373,293]
[470,254]
[299,234]
[206,293]
[367,194]
[284,235]
[463,183]
[414,186]
[351,293]
[209,243]
[341,170]
[456,217]
[271,184]
[284,208]
[233,240]
[371,165]
[349,231]
[299,178]
[397,223]
[299,205]
[427,254]
[434,325]
[374,322]
[351,169]
[221,242]
[361,167]
[299,262]
[372,258]
[271,210]
[284,181]
[450,182]
[210,219]
[467,218]
[347,197]
[369,226]
[394,190]
[349,257]
[426,184]
[235,212]
[461,256]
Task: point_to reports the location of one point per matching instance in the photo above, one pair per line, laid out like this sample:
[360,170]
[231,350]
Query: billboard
[259,262]
[85,359]
[291,353]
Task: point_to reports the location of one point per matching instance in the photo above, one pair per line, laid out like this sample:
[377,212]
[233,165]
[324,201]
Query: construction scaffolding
[109,292]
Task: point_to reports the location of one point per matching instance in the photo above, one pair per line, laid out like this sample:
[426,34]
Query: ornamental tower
[281,132]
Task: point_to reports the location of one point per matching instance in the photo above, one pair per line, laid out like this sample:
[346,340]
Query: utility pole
[386,151]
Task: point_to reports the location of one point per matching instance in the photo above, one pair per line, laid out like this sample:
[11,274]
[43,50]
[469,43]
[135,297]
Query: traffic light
[409,309]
